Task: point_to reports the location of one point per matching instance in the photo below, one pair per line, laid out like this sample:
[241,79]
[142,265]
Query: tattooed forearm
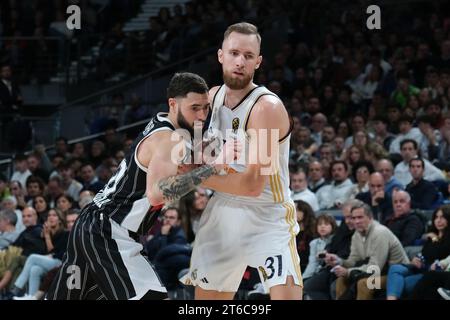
[174,187]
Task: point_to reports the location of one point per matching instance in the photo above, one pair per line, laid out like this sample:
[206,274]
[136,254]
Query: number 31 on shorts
[272,266]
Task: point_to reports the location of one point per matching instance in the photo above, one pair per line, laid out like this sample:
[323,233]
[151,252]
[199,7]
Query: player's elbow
[155,198]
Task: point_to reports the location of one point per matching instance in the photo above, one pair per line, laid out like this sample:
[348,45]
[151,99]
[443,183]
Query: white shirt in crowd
[21,177]
[401,172]
[331,194]
[413,134]
[308,196]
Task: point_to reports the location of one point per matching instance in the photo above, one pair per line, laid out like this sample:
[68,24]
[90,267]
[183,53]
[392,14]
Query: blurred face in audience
[63,204]
[362,175]
[358,124]
[171,218]
[78,150]
[298,182]
[21,165]
[201,199]
[360,138]
[240,57]
[346,212]
[408,152]
[8,204]
[29,217]
[315,171]
[33,163]
[33,189]
[328,134]
[360,220]
[354,154]
[385,168]
[87,173]
[416,169]
[440,222]
[16,190]
[339,144]
[40,204]
[339,172]
[52,219]
[376,183]
[401,203]
[70,220]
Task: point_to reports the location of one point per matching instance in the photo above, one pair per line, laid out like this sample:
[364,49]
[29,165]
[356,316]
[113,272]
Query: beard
[182,122]
[236,83]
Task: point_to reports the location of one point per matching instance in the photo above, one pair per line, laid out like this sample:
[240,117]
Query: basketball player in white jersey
[250,220]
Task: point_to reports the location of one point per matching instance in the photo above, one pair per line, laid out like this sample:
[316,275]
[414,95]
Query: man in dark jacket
[30,240]
[169,250]
[376,198]
[406,226]
[423,192]
[318,286]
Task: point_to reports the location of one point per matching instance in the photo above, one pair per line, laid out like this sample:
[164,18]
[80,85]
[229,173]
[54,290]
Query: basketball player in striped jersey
[250,220]
[103,259]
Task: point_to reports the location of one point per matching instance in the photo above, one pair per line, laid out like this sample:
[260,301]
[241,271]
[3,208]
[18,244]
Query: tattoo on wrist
[175,187]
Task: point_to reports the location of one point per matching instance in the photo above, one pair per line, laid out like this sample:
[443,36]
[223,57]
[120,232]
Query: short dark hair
[425,119]
[184,82]
[406,118]
[404,141]
[417,159]
[335,162]
[20,157]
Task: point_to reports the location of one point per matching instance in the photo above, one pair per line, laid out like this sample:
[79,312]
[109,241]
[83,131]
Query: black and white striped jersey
[123,198]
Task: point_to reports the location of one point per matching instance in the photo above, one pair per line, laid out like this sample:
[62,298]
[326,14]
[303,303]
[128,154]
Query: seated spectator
[35,187]
[373,245]
[29,241]
[70,186]
[89,179]
[64,203]
[315,176]
[191,209]
[326,225]
[300,191]
[376,198]
[361,172]
[18,192]
[431,284]
[406,225]
[409,150]
[336,193]
[403,277]
[86,197]
[169,250]
[406,132]
[34,165]
[54,190]
[4,189]
[21,172]
[40,204]
[423,193]
[8,232]
[11,203]
[385,167]
[307,222]
[322,286]
[37,265]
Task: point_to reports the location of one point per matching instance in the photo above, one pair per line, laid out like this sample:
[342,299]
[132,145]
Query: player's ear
[220,55]
[173,104]
[259,61]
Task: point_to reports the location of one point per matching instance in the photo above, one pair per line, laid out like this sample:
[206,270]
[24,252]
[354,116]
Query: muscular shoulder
[212,92]
[159,142]
[270,111]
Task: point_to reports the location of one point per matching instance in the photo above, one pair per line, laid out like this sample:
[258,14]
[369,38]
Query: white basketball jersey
[234,121]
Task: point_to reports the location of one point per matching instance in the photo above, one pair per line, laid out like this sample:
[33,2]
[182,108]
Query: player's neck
[233,97]
[173,119]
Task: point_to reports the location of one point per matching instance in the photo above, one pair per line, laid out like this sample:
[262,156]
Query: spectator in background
[307,222]
[404,89]
[315,175]
[86,197]
[385,167]
[11,203]
[8,232]
[382,135]
[191,208]
[423,193]
[372,245]
[54,190]
[168,249]
[300,191]
[62,148]
[325,228]
[4,189]
[338,191]
[70,186]
[376,198]
[35,187]
[407,226]
[40,204]
[21,172]
[322,285]
[409,150]
[361,172]
[64,203]
[403,277]
[406,132]
[89,179]
[34,165]
[19,193]
[37,265]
